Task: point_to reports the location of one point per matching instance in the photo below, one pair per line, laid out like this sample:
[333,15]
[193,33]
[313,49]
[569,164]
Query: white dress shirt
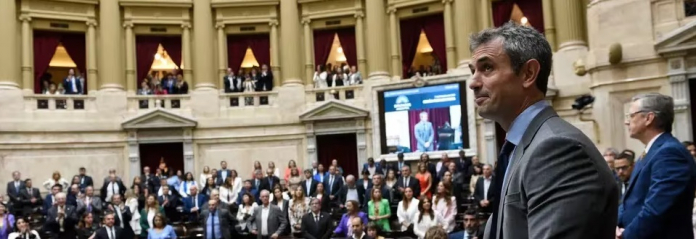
[265,210]
[110,232]
[407,215]
[486,186]
[117,209]
[110,190]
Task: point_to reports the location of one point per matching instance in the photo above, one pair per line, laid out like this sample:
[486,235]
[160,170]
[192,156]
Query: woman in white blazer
[445,206]
[132,203]
[204,176]
[425,218]
[55,179]
[407,209]
[320,77]
[245,212]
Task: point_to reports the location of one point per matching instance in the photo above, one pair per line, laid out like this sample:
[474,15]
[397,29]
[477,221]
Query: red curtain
[145,50]
[237,45]
[436,116]
[75,45]
[434,27]
[172,45]
[501,11]
[45,44]
[323,40]
[343,147]
[347,38]
[410,34]
[533,11]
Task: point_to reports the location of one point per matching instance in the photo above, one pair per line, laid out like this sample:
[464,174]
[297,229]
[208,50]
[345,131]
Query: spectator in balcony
[181,87]
[72,83]
[160,91]
[320,77]
[232,83]
[337,78]
[265,79]
[249,84]
[45,83]
[144,88]
[55,179]
[354,77]
[168,83]
[52,90]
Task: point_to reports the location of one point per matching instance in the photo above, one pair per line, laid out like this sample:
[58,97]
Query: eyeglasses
[629,116]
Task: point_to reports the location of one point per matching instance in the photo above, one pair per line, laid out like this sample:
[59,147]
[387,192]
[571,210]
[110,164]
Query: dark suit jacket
[266,183]
[47,203]
[232,84]
[121,189]
[378,168]
[276,222]
[226,219]
[219,181]
[412,183]
[266,80]
[460,235]
[312,189]
[555,168]
[14,192]
[126,217]
[334,189]
[311,229]
[67,85]
[86,182]
[121,233]
[479,189]
[25,199]
[69,221]
[344,192]
[660,195]
[181,90]
[151,182]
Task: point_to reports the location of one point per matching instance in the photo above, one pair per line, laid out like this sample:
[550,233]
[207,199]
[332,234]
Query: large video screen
[423,119]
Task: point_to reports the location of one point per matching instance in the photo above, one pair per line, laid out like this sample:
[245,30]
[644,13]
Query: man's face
[229,71]
[470,223]
[216,195]
[314,165]
[16,176]
[423,117]
[109,220]
[308,175]
[212,205]
[146,170]
[264,68]
[637,120]
[223,165]
[474,160]
[264,198]
[247,185]
[55,190]
[497,89]
[487,171]
[692,150]
[259,175]
[320,168]
[89,191]
[194,191]
[405,171]
[610,161]
[28,183]
[71,72]
[452,167]
[377,180]
[332,170]
[316,206]
[75,189]
[623,169]
[357,225]
[82,172]
[116,199]
[60,201]
[269,173]
[165,190]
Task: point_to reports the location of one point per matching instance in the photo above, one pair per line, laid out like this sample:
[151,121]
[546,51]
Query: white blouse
[202,179]
[407,215]
[15,235]
[419,228]
[447,213]
[243,210]
[320,80]
[51,182]
[227,195]
[132,204]
[151,217]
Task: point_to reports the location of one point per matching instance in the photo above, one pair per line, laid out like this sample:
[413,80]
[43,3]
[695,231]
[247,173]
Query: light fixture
[164,61]
[158,56]
[341,58]
[426,49]
[524,20]
[339,49]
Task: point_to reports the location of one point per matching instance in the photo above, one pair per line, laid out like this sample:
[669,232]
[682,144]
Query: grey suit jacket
[96,203]
[424,133]
[226,219]
[276,221]
[557,186]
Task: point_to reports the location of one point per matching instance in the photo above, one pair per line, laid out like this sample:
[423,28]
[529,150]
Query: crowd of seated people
[329,75]
[221,204]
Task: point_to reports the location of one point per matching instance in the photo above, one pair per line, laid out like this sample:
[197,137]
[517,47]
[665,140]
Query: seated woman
[86,227]
[245,212]
[7,222]
[160,229]
[23,230]
[445,205]
[378,210]
[425,218]
[407,209]
[344,229]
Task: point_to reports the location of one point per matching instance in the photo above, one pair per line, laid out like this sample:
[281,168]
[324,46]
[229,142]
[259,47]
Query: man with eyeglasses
[623,164]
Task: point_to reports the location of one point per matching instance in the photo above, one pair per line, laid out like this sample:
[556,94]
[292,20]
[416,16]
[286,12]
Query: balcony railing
[60,102]
[248,99]
[146,102]
[335,93]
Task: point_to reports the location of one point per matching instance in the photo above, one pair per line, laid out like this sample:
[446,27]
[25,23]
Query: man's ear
[529,73]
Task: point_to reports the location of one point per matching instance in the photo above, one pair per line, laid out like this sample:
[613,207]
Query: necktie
[17,187]
[257,183]
[270,182]
[113,234]
[500,170]
[185,187]
[331,184]
[406,182]
[316,218]
[212,225]
[89,205]
[113,188]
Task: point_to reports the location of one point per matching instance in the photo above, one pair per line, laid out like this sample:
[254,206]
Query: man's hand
[426,144]
[401,189]
[33,200]
[111,207]
[331,197]
[341,205]
[619,232]
[298,226]
[195,209]
[274,236]
[484,203]
[254,232]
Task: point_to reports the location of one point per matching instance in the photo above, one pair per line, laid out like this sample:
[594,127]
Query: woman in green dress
[378,210]
[147,215]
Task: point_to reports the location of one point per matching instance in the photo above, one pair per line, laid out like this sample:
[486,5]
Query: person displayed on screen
[424,133]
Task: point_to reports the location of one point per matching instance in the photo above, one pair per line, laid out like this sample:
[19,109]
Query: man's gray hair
[521,44]
[265,192]
[60,195]
[661,105]
[350,177]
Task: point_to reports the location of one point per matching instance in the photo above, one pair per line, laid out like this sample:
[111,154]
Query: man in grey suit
[216,219]
[269,221]
[424,133]
[552,180]
[90,203]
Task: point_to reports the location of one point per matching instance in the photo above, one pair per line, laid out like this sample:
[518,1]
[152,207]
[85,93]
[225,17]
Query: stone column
[91,57]
[571,27]
[27,64]
[376,44]
[189,165]
[360,40]
[131,81]
[9,66]
[449,35]
[110,74]
[308,52]
[133,153]
[275,52]
[486,14]
[290,32]
[549,28]
[202,52]
[682,97]
[186,51]
[222,53]
[489,135]
[394,39]
[467,23]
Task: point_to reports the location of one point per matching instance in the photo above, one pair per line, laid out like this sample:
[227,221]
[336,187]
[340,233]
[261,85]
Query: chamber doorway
[342,147]
[172,153]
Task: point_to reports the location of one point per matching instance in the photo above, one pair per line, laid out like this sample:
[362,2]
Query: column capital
[25,18]
[306,21]
[220,25]
[186,25]
[273,22]
[128,24]
[91,23]
[391,10]
[446,2]
[359,14]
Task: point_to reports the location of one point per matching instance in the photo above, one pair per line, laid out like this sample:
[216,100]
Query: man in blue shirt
[217,221]
[424,133]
